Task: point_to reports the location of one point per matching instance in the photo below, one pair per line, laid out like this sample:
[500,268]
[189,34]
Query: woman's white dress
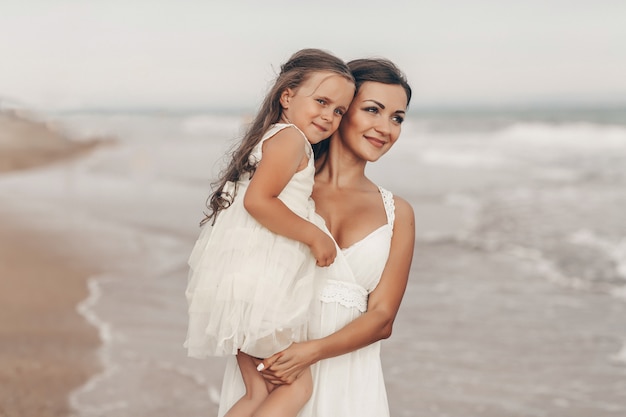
[349,385]
[250,288]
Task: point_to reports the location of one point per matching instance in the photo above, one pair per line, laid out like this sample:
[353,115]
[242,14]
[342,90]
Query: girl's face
[318,104]
[373,121]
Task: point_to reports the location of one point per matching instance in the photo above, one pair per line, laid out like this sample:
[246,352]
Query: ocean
[516,304]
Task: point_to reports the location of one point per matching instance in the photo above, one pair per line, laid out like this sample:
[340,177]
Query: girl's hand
[323,249]
[286,366]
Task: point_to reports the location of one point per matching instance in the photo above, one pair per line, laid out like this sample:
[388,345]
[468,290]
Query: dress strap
[390,206]
[277,127]
[257,152]
[307,145]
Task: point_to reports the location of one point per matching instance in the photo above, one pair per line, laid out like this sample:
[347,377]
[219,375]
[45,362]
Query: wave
[511,146]
[463,159]
[577,136]
[615,251]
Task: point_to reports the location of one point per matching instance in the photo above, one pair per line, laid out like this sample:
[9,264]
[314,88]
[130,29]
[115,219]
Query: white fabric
[344,293]
[349,385]
[249,288]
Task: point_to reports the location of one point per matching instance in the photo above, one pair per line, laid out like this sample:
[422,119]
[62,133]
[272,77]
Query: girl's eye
[321,101]
[339,112]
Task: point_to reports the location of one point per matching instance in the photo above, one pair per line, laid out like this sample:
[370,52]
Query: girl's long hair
[293,73]
[377,70]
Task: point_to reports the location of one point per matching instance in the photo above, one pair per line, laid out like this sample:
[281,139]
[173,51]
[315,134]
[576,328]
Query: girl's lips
[320,128]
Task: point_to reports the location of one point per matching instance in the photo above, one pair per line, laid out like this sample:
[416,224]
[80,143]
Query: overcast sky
[220,54]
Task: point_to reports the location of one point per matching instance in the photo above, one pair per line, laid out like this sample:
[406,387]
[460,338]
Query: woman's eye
[371,110]
[398,119]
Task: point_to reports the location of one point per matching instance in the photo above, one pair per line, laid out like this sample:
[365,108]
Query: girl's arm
[283,156]
[373,325]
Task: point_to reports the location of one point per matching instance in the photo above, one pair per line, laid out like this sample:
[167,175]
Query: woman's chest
[367,257]
[350,218]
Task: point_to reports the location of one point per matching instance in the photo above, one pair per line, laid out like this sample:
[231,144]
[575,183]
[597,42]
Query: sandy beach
[26,142]
[515,305]
[46,348]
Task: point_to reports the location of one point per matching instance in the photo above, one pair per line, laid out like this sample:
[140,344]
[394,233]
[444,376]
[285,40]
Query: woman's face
[372,123]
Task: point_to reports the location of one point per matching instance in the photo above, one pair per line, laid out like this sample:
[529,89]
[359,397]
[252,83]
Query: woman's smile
[379,143]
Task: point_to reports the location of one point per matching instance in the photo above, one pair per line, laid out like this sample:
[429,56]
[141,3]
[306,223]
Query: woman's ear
[285,97]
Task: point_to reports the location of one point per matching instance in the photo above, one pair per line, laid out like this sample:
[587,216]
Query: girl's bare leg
[287,400]
[256,388]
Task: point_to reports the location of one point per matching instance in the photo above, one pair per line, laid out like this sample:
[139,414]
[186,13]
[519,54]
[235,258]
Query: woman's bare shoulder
[404,210]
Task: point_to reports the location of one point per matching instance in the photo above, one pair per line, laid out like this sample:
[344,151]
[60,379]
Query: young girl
[251,277]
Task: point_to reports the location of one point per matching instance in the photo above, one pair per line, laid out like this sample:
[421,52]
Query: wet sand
[46,348]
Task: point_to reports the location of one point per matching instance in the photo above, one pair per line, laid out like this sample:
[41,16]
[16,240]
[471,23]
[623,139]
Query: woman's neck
[343,169]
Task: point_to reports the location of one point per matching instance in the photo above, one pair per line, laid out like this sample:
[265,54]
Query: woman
[360,293]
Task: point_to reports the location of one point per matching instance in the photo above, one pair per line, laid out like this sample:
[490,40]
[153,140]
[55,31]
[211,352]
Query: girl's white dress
[250,288]
[349,385]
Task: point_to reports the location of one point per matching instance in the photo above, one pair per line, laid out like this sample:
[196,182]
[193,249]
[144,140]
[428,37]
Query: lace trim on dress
[390,206]
[345,293]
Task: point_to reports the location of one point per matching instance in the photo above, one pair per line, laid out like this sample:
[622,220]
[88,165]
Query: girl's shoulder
[277,127]
[273,131]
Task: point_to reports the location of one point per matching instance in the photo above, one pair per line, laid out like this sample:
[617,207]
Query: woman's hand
[286,366]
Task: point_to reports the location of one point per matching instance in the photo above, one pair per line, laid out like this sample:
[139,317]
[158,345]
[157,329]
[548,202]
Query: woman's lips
[376,142]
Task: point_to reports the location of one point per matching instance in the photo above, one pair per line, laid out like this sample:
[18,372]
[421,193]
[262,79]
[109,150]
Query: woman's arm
[283,156]
[373,325]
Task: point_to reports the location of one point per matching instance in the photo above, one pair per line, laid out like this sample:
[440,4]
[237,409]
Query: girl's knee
[256,391]
[256,396]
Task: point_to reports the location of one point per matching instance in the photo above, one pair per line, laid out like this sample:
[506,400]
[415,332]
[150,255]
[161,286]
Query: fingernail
[260,367]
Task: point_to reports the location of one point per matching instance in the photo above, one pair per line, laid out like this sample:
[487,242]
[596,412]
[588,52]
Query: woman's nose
[383,126]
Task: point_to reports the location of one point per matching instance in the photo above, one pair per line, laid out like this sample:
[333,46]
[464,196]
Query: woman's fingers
[268,362]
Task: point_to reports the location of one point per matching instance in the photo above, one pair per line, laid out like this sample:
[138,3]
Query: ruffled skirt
[249,288]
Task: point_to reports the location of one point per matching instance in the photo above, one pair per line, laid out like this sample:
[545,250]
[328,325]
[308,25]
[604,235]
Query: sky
[65,54]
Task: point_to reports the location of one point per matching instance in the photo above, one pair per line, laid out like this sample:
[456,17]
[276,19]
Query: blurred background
[114,119]
[217,55]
